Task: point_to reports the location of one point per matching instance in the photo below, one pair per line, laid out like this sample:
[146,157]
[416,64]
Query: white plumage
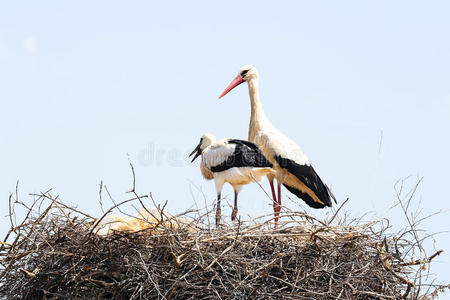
[231,161]
[292,167]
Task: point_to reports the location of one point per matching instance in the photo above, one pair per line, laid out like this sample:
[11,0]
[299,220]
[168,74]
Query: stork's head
[246,73]
[205,141]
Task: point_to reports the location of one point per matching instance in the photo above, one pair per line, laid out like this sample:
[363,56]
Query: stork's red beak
[237,81]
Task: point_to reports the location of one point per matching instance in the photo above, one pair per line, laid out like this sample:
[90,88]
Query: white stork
[229,160]
[292,167]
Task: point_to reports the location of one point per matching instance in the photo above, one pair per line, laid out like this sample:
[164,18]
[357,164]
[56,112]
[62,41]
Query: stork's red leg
[275,202]
[279,199]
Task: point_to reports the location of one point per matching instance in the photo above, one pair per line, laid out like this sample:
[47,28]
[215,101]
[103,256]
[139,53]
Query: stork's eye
[243,73]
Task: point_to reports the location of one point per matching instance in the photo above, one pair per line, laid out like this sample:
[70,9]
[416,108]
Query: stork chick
[230,160]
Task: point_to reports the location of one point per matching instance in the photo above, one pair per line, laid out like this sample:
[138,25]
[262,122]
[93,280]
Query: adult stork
[230,160]
[292,167]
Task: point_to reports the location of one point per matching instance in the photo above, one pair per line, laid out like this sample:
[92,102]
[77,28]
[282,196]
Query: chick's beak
[197,153]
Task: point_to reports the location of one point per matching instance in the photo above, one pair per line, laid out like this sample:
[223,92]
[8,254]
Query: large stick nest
[56,253]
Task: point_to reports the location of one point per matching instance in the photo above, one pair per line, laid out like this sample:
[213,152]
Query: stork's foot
[234,214]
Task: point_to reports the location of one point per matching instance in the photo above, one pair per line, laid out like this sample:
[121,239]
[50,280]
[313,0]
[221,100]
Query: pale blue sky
[83,83]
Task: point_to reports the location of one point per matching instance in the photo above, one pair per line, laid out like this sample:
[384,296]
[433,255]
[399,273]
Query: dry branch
[56,253]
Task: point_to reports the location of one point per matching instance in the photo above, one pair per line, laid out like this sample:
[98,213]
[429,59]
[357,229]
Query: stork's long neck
[258,118]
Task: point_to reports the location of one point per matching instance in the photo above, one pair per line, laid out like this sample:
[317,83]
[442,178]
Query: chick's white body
[219,152]
[234,161]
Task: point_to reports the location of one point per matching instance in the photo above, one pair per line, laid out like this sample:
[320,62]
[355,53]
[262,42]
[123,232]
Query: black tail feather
[305,197]
[308,176]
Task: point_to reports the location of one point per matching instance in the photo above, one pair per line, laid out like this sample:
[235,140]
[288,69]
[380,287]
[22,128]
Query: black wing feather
[246,154]
[309,177]
[246,143]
